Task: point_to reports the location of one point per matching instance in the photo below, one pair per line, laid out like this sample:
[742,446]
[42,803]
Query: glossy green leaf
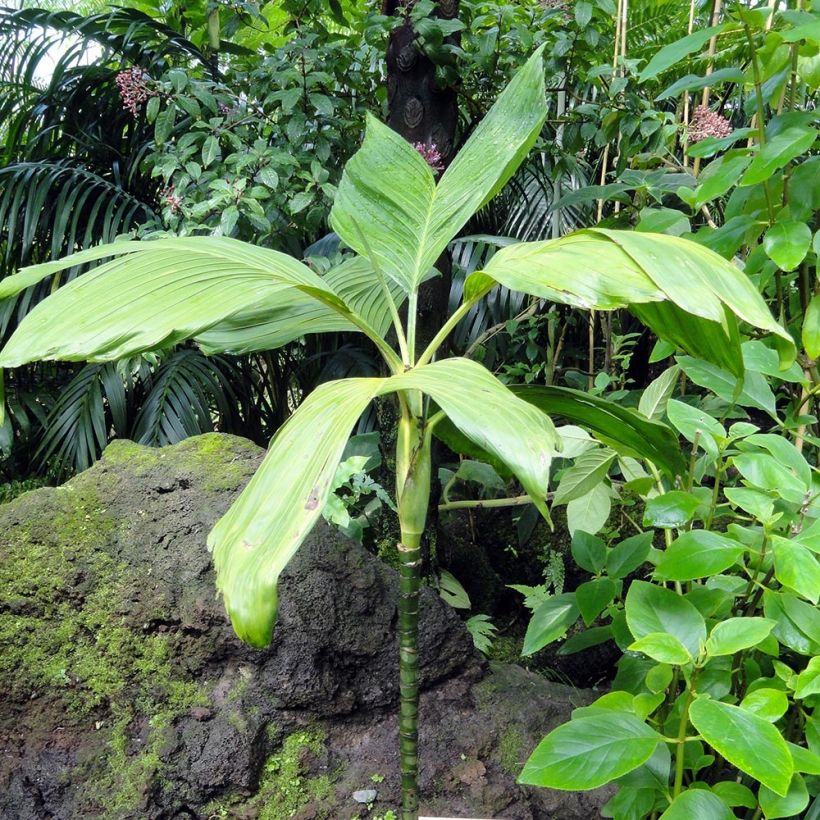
[697,803]
[584,640]
[673,53]
[619,427]
[808,681]
[651,608]
[720,176]
[156,294]
[588,551]
[811,327]
[550,621]
[785,452]
[805,760]
[590,751]
[763,471]
[735,794]
[406,227]
[628,555]
[594,596]
[797,622]
[744,740]
[589,469]
[670,510]
[787,243]
[735,634]
[590,512]
[662,647]
[752,391]
[653,400]
[779,150]
[790,805]
[796,568]
[770,704]
[696,425]
[697,554]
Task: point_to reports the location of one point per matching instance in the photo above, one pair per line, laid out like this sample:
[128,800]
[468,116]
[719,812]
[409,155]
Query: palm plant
[389,210]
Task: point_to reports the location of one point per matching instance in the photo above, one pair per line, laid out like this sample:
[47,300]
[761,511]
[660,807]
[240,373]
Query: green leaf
[785,452]
[653,400]
[808,681]
[752,391]
[662,647]
[735,794]
[594,596]
[787,243]
[589,469]
[550,621]
[590,751]
[697,554]
[670,510]
[811,327]
[735,634]
[805,760]
[790,805]
[591,511]
[675,52]
[720,176]
[584,640]
[210,151]
[779,150]
[228,220]
[695,424]
[697,803]
[651,608]
[797,623]
[588,551]
[628,555]
[796,568]
[619,427]
[156,294]
[164,124]
[255,539]
[746,741]
[692,82]
[763,471]
[770,704]
[406,227]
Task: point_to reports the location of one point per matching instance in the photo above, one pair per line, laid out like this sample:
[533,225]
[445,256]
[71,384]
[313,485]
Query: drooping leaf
[697,554]
[590,751]
[796,568]
[406,227]
[746,741]
[791,804]
[787,243]
[780,149]
[588,551]
[550,620]
[670,510]
[673,53]
[587,471]
[653,400]
[591,511]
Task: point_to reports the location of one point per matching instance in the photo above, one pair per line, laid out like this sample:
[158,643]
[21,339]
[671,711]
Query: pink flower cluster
[706,123]
[171,199]
[430,154]
[134,89]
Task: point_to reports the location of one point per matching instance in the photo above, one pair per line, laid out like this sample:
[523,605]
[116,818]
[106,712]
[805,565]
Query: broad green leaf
[770,704]
[550,621]
[692,82]
[590,751]
[759,357]
[619,427]
[588,551]
[763,471]
[584,640]
[720,176]
[670,510]
[796,568]
[489,414]
[790,805]
[785,452]
[752,391]
[653,400]
[695,424]
[811,327]
[755,502]
[662,647]
[591,511]
[787,243]
[779,150]
[663,220]
[697,803]
[259,534]
[735,634]
[735,794]
[594,596]
[797,623]
[589,469]
[574,440]
[157,294]
[405,227]
[675,52]
[746,741]
[651,608]
[627,556]
[805,760]
[697,554]
[808,681]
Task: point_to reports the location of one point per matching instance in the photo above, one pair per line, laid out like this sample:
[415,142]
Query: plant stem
[684,722]
[516,501]
[413,496]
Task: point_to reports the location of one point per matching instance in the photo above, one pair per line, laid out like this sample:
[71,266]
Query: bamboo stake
[704,101]
[615,52]
[686,94]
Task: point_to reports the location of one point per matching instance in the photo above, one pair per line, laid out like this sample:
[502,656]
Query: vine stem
[684,722]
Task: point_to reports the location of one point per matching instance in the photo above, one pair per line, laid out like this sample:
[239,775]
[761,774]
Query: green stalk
[413,495]
[684,722]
